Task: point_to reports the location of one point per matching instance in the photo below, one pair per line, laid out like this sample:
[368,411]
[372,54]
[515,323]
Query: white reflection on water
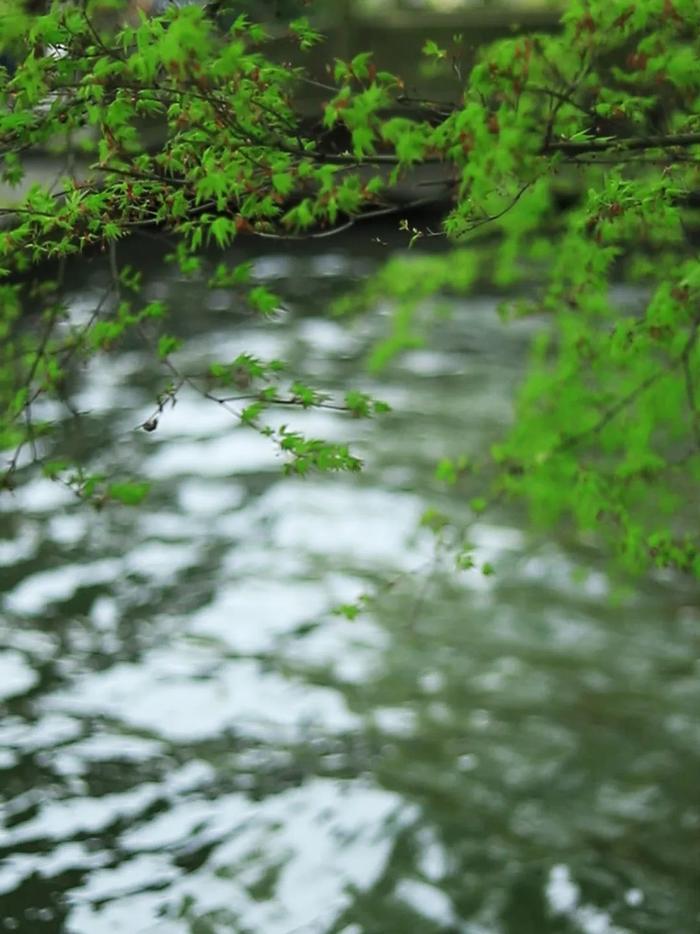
[564,898]
[228,455]
[365,525]
[330,337]
[16,674]
[247,616]
[104,746]
[21,547]
[107,385]
[186,693]
[427,900]
[65,856]
[320,840]
[160,560]
[275,266]
[59,820]
[34,593]
[210,499]
[36,497]
[47,733]
[350,650]
[268,343]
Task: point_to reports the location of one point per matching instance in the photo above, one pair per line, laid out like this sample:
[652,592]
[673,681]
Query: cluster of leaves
[582,157]
[231,159]
[574,155]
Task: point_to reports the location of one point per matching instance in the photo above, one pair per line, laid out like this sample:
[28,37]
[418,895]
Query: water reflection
[193,740]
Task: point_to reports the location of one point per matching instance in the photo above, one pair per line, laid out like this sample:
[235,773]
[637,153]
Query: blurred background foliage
[329,11]
[329,8]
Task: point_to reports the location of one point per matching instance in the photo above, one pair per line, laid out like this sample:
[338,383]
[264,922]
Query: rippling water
[192,740]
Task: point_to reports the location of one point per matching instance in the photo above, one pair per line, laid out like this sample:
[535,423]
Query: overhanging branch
[637,143]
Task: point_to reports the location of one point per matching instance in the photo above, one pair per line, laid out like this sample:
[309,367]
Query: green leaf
[128,493]
[222,230]
[263,300]
[433,50]
[306,35]
[167,345]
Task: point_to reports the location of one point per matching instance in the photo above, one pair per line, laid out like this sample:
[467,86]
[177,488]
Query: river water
[192,740]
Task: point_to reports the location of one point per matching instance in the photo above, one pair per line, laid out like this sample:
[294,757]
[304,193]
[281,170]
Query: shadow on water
[192,740]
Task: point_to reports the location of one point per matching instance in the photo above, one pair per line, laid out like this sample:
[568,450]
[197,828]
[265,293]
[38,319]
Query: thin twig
[490,217]
[623,143]
[367,215]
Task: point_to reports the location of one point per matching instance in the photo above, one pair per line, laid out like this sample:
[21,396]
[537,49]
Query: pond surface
[191,738]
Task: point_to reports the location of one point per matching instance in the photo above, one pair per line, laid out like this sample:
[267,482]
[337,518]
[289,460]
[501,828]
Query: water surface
[192,740]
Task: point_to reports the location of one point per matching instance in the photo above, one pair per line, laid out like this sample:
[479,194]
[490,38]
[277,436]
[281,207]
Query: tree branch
[636,143]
